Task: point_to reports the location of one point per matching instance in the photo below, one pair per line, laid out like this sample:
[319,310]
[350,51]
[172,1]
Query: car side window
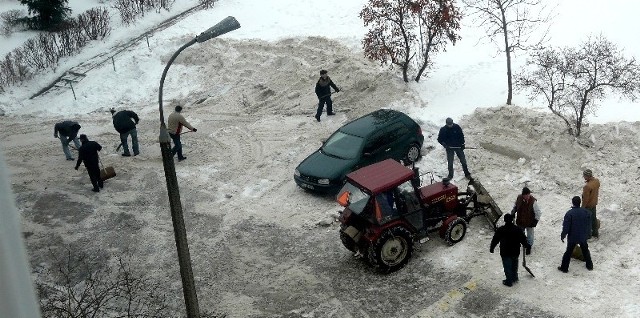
[376,141]
[396,131]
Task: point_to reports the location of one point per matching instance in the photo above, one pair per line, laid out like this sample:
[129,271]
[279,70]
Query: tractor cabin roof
[380,177]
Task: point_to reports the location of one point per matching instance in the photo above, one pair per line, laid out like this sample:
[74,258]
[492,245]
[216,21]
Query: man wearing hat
[452,139]
[323,91]
[88,153]
[528,214]
[590,198]
[510,238]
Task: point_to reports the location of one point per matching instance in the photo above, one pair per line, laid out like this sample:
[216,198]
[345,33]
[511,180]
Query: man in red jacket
[527,214]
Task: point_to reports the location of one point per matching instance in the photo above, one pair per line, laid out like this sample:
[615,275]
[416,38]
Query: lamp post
[188,286]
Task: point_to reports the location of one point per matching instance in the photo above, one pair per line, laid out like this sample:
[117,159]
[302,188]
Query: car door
[397,140]
[374,149]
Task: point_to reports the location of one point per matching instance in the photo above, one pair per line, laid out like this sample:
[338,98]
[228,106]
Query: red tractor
[387,211]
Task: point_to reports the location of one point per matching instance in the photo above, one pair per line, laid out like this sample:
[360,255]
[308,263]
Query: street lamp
[188,286]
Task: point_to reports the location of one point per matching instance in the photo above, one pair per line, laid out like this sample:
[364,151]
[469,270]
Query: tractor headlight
[296,173]
[323,181]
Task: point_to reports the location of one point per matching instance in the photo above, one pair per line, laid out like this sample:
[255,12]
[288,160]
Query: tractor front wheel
[392,250]
[455,231]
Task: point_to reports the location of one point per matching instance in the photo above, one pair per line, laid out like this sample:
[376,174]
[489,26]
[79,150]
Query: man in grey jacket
[577,226]
[67,131]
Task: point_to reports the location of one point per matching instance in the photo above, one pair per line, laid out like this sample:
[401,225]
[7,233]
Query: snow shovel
[323,96]
[524,261]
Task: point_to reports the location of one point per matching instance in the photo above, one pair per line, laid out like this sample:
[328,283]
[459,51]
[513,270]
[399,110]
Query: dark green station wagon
[377,136]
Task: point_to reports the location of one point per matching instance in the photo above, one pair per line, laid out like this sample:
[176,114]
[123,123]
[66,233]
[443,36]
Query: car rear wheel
[456,231]
[392,250]
[413,153]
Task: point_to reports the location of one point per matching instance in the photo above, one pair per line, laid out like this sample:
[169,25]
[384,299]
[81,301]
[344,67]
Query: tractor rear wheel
[348,242]
[456,231]
[392,250]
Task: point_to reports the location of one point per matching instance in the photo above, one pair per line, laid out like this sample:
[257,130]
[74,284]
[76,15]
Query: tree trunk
[507,51]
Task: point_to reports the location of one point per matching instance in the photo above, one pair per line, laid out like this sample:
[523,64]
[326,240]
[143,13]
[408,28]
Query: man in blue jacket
[125,122]
[577,226]
[452,139]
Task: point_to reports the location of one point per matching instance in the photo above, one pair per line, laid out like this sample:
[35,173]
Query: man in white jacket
[174,127]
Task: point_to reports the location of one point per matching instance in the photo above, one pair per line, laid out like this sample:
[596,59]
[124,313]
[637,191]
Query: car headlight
[323,181]
[296,173]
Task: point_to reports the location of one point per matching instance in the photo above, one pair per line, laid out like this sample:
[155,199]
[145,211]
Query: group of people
[579,225]
[125,122]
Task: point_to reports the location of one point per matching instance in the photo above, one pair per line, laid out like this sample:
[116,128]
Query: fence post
[113,62]
[72,90]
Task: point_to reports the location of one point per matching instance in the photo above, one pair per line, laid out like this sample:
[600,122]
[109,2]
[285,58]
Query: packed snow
[262,247]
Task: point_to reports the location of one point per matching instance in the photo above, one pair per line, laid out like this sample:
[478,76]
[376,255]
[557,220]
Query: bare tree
[400,29]
[80,285]
[512,25]
[573,80]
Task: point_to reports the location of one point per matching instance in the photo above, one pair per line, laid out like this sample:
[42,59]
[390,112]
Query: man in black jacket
[125,122]
[452,139]
[323,91]
[510,238]
[67,131]
[88,153]
[576,225]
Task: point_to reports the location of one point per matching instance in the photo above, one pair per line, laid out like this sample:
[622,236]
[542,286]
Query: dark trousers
[510,265]
[566,258]
[134,140]
[94,176]
[324,100]
[177,146]
[594,222]
[463,161]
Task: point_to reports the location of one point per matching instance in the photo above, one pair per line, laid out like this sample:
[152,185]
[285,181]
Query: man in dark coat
[577,226]
[323,91]
[452,139]
[528,214]
[125,122]
[88,153]
[67,131]
[510,238]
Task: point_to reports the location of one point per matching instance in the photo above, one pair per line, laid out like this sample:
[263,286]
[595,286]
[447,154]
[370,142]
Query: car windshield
[342,146]
[357,198]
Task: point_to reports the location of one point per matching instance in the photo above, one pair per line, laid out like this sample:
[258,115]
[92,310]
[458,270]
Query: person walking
[510,237]
[323,91]
[590,199]
[527,215]
[174,126]
[451,138]
[125,122]
[88,153]
[67,131]
[576,226]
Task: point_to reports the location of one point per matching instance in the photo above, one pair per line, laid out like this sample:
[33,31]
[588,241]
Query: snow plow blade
[486,202]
